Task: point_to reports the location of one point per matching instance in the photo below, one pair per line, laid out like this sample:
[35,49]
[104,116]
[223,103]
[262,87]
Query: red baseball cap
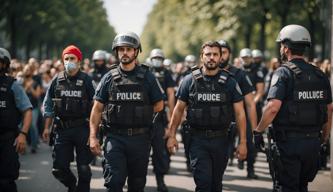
[72,49]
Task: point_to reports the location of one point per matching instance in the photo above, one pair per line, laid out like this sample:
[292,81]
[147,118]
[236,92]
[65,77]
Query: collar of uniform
[71,78]
[129,73]
[297,60]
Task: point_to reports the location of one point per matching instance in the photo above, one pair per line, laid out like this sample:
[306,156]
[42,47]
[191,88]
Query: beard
[223,64]
[211,65]
[126,59]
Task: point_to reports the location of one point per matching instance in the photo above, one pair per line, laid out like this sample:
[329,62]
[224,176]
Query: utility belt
[67,124]
[127,132]
[209,133]
[292,134]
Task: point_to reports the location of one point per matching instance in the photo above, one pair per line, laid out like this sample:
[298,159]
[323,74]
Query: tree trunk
[13,37]
[312,31]
[248,35]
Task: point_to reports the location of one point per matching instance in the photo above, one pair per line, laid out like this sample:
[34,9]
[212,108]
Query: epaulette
[114,70]
[196,72]
[293,67]
[143,68]
[61,76]
[224,74]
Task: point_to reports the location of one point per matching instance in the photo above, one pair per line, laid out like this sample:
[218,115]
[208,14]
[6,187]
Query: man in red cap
[68,103]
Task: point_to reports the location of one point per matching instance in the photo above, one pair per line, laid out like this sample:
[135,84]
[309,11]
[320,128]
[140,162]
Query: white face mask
[157,62]
[69,66]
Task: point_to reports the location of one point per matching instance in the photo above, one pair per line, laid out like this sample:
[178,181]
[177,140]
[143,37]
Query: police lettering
[311,95]
[209,97]
[71,93]
[129,96]
[2,104]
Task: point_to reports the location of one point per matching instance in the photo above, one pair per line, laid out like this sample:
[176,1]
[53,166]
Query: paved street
[35,176]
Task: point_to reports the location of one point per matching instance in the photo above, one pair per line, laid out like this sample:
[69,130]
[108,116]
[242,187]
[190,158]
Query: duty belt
[209,133]
[302,134]
[128,132]
[72,123]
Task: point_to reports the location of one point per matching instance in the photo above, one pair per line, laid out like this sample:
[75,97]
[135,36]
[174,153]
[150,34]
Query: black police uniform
[305,92]
[246,86]
[210,107]
[97,74]
[128,97]
[161,157]
[13,100]
[69,98]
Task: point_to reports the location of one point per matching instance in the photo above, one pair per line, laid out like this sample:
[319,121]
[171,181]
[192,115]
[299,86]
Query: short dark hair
[295,48]
[211,44]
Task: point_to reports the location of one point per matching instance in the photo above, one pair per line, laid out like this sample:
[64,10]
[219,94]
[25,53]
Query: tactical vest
[305,109]
[97,75]
[209,104]
[128,104]
[71,99]
[160,75]
[10,116]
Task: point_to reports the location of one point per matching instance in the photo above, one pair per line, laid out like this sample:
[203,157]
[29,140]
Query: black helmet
[224,44]
[127,39]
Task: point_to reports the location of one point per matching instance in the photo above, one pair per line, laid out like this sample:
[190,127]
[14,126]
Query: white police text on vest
[71,93]
[129,96]
[2,104]
[209,97]
[305,95]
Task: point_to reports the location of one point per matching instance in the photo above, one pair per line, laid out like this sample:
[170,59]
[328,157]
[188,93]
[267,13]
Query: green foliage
[179,27]
[54,24]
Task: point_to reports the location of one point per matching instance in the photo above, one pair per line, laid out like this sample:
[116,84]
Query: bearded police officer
[247,88]
[211,96]
[160,157]
[13,103]
[299,106]
[68,103]
[258,61]
[128,95]
[100,69]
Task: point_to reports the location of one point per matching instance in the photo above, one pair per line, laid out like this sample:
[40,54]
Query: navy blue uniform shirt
[282,82]
[235,93]
[154,89]
[242,79]
[48,103]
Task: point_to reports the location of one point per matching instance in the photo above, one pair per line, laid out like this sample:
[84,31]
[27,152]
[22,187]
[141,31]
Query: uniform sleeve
[156,92]
[90,88]
[183,92]
[169,81]
[234,90]
[245,84]
[21,99]
[260,77]
[278,89]
[48,103]
[101,93]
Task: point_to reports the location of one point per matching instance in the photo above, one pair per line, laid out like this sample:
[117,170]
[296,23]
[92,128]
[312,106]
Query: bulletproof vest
[97,75]
[305,107]
[10,116]
[71,99]
[128,104]
[209,104]
[160,75]
[252,72]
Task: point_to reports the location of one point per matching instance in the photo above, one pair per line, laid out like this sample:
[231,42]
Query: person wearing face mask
[247,88]
[300,110]
[126,101]
[160,157]
[67,104]
[100,69]
[14,108]
[211,97]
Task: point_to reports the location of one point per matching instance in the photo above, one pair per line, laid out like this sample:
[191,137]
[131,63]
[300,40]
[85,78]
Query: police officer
[247,88]
[211,96]
[100,69]
[257,78]
[13,103]
[258,61]
[160,158]
[68,103]
[299,106]
[128,95]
